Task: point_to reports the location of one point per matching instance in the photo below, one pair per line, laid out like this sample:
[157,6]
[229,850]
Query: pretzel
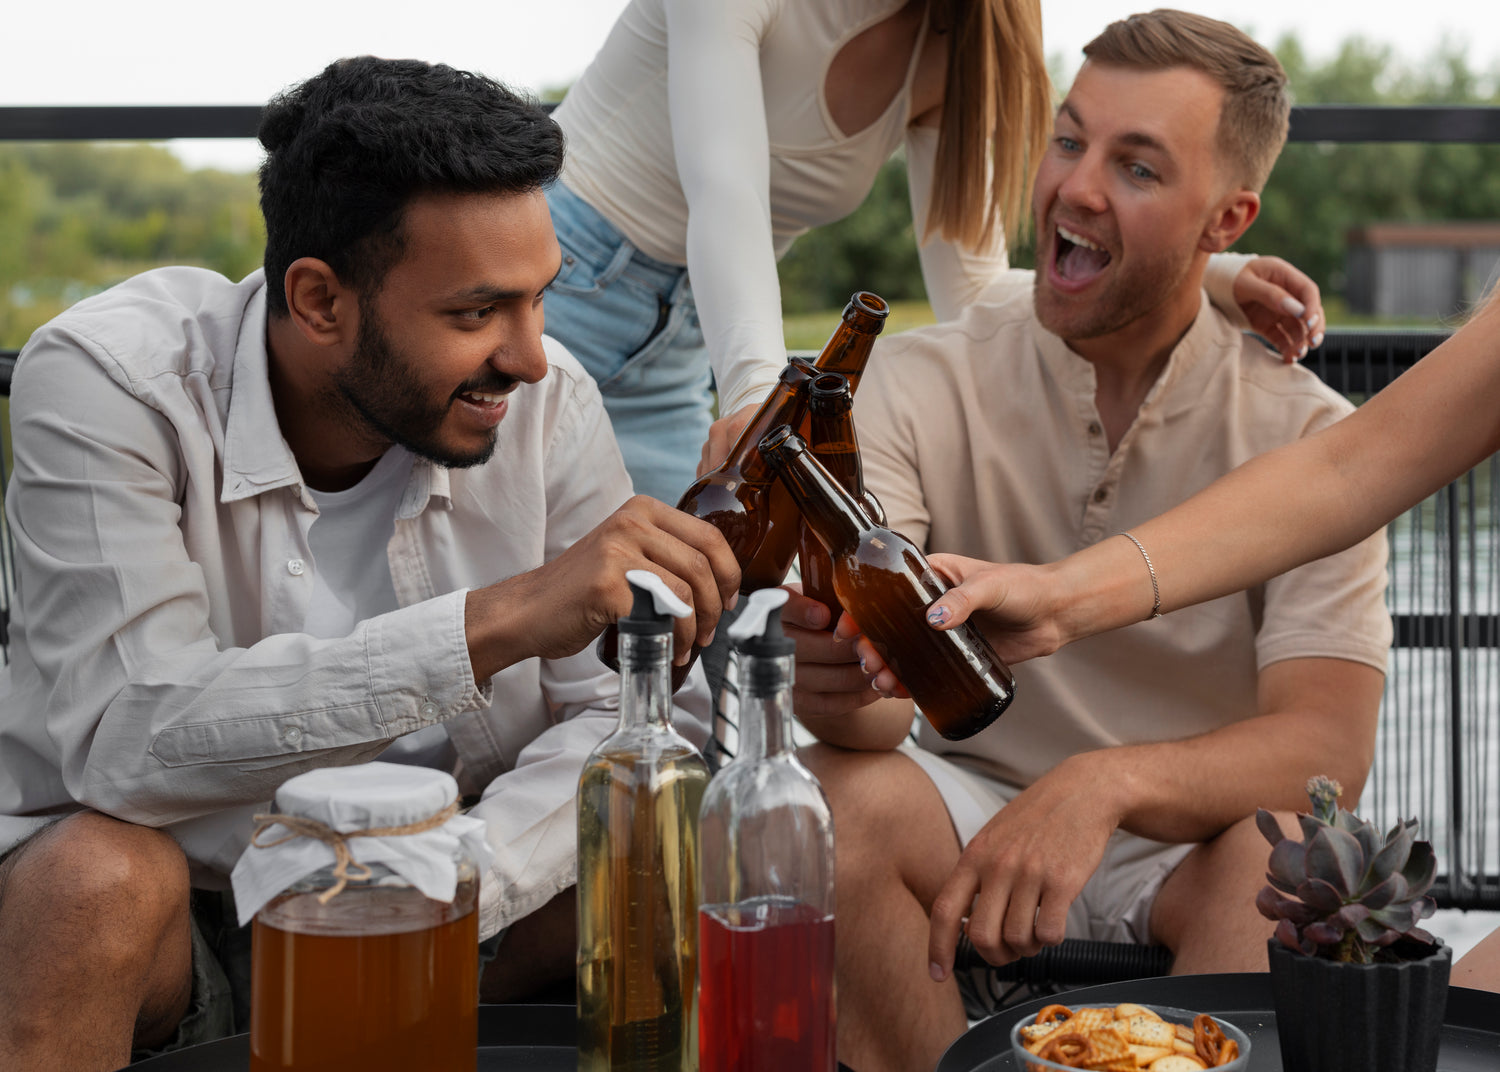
[1053,1013]
[1069,1048]
[1208,1040]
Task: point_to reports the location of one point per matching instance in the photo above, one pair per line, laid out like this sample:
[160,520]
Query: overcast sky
[201,51]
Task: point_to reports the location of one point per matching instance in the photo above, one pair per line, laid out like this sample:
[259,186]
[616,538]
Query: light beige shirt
[981,438]
[159,669]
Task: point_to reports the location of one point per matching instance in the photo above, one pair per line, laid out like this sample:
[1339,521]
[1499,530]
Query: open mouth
[1076,259]
[483,398]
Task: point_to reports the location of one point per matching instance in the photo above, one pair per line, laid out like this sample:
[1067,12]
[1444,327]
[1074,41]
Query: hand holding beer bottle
[885,584]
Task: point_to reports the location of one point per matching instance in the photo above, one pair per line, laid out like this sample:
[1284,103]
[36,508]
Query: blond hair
[1254,117]
[997,114]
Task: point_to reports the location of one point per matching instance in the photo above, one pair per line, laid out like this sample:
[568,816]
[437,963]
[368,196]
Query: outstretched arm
[1289,506]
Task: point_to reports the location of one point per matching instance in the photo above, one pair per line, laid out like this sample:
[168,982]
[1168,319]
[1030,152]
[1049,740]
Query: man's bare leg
[894,848]
[539,950]
[1205,912]
[96,940]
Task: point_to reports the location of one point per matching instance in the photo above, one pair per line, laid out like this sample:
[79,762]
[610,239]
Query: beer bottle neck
[830,511]
[833,443]
[787,404]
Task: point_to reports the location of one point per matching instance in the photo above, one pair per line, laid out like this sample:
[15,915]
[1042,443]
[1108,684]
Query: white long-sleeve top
[702,132]
[159,672]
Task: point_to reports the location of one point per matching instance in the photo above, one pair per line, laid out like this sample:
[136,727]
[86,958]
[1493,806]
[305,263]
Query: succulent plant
[1343,892]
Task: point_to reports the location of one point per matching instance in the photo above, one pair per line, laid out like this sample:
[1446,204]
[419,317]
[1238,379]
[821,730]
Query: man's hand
[829,681]
[722,435]
[1282,304]
[1019,875]
[557,609]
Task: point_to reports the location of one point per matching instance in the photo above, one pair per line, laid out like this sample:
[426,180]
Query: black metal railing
[161,122]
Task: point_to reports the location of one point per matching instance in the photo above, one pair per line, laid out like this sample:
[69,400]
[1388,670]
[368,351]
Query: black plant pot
[1333,1017]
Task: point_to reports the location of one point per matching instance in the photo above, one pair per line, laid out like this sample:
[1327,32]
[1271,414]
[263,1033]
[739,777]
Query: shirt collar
[257,458]
[1210,332]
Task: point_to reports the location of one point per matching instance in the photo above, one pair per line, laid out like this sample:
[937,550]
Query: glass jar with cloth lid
[364,953]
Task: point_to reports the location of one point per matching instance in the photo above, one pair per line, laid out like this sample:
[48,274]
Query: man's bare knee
[1206,909]
[113,885]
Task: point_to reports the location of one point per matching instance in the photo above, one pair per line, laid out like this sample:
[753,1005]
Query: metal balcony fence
[1438,752]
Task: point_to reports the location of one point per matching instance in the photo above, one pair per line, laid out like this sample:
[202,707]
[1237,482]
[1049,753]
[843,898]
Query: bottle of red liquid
[885,584]
[765,939]
[833,442]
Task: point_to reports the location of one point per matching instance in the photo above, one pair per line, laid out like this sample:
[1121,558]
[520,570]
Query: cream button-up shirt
[158,672]
[981,437]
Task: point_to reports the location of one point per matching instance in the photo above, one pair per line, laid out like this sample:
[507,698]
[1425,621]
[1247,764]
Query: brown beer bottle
[846,352]
[735,497]
[833,442]
[883,581]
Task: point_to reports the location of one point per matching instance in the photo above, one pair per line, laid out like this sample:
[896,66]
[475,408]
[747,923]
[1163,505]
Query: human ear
[322,308]
[1231,218]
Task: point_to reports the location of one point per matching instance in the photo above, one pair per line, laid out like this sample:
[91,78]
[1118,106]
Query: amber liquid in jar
[380,979]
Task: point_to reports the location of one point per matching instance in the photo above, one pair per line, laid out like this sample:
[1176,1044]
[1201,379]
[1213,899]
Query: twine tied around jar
[301,826]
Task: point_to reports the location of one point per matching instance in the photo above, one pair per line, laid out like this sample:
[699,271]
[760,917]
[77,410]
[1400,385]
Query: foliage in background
[1317,193]
[77,217]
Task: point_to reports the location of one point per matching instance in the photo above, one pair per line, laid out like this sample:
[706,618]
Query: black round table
[512,1038]
[1471,1025]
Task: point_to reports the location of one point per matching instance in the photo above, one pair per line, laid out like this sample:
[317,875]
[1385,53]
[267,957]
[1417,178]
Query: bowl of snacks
[1124,1037]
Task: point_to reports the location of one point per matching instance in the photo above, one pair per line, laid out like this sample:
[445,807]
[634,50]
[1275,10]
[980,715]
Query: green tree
[77,217]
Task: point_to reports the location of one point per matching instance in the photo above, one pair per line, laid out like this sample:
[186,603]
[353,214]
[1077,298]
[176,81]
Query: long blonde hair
[997,115]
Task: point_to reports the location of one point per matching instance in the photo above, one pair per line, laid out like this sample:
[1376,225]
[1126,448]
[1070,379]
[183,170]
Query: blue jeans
[630,320]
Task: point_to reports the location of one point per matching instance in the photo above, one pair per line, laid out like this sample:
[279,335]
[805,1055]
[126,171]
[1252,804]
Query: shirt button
[1100,494]
[1095,427]
[294,736]
[296,567]
[428,709]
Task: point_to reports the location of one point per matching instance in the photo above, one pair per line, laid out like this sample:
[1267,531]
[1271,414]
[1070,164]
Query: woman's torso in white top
[618,120]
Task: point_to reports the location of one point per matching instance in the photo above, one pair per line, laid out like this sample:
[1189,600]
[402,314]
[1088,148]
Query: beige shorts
[1115,905]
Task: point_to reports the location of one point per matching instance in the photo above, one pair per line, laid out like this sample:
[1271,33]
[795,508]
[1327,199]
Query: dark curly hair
[347,149]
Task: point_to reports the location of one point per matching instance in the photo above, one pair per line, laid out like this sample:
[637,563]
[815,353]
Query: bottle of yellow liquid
[638,802]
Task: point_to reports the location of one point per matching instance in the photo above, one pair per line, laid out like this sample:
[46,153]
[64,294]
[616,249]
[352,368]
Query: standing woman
[707,135]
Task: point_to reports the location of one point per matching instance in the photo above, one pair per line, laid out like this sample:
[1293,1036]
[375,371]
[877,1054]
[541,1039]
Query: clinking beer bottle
[735,498]
[833,442]
[954,676]
[765,942]
[638,803]
[846,352]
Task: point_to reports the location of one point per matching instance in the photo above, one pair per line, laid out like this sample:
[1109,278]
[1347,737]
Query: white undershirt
[351,573]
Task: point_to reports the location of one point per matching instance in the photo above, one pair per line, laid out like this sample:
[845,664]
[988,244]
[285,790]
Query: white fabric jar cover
[348,800]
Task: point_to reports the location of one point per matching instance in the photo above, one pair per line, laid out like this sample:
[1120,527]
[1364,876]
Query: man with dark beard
[355,505]
[1114,798]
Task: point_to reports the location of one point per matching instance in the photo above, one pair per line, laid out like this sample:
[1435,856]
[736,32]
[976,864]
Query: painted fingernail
[938,615]
[1312,321]
[1293,307]
[862,667]
[936,971]
[1302,352]
[1317,340]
